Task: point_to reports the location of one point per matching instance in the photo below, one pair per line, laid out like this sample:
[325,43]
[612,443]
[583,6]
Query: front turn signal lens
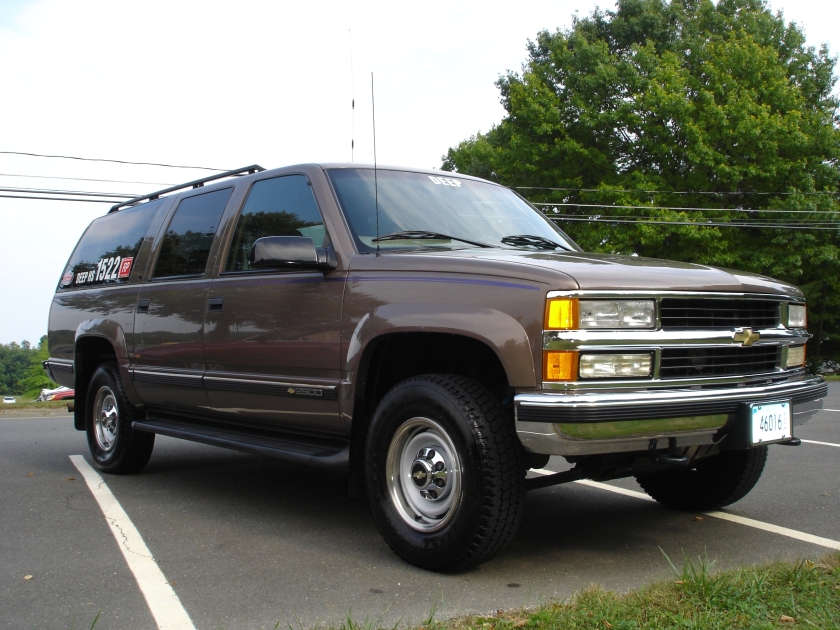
[561,314]
[560,366]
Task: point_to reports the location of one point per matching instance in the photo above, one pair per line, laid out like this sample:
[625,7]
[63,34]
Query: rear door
[169,322]
[272,337]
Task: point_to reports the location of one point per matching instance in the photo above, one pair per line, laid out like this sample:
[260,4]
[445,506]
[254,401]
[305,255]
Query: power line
[673,192]
[86,179]
[111,201]
[70,157]
[799,226]
[685,209]
[46,191]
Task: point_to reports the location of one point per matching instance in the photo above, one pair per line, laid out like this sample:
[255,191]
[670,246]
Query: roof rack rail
[198,183]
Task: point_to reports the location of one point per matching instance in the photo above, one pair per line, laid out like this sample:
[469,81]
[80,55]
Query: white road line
[827,409]
[767,527]
[822,443]
[163,603]
[775,529]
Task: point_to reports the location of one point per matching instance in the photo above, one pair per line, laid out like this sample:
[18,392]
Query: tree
[682,104]
[34,378]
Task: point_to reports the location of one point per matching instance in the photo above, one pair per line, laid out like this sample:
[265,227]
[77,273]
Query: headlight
[795,357]
[573,314]
[615,365]
[797,317]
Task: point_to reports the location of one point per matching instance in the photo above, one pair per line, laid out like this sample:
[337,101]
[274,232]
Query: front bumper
[585,423]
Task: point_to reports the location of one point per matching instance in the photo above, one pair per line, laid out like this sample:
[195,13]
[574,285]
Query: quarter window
[106,252]
[281,206]
[186,245]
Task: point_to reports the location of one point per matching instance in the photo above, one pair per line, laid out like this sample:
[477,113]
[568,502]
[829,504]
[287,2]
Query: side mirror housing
[291,252]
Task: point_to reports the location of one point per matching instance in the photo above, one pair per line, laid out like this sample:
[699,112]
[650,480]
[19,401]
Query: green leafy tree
[682,104]
[34,378]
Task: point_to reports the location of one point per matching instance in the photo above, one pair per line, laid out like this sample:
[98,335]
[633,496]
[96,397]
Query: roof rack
[198,183]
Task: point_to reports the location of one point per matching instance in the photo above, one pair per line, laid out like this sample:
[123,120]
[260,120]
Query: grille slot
[714,313]
[696,362]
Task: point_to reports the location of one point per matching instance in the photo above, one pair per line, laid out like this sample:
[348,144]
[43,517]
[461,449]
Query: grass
[781,595]
[831,377]
[22,403]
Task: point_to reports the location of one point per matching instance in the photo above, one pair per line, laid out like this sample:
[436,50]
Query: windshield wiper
[423,234]
[540,242]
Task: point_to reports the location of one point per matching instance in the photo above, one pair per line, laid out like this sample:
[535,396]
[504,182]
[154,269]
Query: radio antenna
[353,101]
[375,180]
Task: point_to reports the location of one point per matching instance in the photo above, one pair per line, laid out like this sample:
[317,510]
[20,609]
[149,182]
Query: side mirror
[291,252]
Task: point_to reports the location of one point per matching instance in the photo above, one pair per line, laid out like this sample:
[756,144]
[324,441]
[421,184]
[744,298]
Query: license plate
[769,422]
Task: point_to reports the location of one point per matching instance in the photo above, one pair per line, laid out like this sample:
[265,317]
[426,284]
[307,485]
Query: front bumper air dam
[617,422]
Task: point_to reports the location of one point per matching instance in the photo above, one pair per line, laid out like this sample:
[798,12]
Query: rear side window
[281,206]
[107,249]
[190,234]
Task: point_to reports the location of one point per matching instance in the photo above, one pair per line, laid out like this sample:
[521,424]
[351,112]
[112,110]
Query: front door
[169,324]
[272,339]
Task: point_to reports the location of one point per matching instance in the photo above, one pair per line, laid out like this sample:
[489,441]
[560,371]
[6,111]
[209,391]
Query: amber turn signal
[561,314]
[560,365]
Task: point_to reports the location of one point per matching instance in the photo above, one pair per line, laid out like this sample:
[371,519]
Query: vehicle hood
[611,271]
[579,270]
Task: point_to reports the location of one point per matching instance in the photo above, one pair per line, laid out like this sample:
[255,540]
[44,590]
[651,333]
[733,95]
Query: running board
[324,453]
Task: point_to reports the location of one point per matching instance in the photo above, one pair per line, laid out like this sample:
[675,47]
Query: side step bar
[326,453]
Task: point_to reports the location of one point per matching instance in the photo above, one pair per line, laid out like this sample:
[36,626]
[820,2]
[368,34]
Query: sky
[221,85]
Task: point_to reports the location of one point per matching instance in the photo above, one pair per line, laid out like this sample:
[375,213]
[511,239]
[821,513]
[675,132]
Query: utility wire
[70,157]
[86,179]
[111,201]
[45,191]
[673,192]
[685,209]
[800,226]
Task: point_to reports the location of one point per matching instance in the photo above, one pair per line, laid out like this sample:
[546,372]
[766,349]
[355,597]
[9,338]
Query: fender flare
[503,334]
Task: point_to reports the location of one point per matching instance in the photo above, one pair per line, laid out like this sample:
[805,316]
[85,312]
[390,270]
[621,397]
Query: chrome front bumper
[585,423]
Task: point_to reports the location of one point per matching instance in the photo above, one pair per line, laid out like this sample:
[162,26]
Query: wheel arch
[97,341]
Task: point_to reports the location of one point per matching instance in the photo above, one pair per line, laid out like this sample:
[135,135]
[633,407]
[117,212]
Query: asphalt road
[247,542]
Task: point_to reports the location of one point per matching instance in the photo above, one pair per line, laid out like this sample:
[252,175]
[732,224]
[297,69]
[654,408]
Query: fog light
[796,356]
[615,365]
[797,317]
[617,314]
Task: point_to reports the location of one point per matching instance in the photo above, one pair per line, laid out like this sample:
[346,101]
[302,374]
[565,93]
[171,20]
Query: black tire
[115,446]
[466,440]
[714,482]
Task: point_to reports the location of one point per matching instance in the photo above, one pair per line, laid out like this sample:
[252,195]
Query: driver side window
[281,206]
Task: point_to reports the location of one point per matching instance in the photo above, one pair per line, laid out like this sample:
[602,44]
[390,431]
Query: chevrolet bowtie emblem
[745,336]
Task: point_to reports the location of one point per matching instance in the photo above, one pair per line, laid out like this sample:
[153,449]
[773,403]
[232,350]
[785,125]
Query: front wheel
[444,472]
[115,445]
[713,483]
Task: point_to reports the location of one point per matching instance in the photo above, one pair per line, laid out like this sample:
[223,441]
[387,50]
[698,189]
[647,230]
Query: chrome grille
[698,362]
[677,313]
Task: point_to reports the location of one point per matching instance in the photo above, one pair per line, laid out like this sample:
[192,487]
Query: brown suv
[432,334]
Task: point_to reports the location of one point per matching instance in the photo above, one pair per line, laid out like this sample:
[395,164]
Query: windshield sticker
[67,279]
[445,181]
[125,268]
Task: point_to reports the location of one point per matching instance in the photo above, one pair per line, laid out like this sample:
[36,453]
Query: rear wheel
[444,472]
[714,482]
[116,447]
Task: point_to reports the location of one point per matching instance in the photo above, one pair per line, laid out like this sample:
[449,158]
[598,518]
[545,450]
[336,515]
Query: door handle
[143,306]
[215,304]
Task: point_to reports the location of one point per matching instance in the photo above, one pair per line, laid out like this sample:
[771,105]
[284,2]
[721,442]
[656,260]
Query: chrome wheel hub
[105,418]
[423,474]
[428,473]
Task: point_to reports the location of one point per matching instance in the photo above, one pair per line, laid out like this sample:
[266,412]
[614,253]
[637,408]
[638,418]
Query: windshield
[441,206]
